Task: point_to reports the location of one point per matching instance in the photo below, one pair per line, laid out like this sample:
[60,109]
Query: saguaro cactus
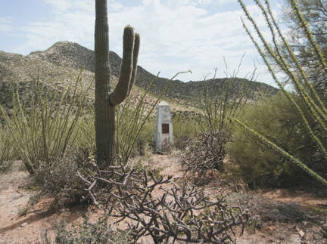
[105,100]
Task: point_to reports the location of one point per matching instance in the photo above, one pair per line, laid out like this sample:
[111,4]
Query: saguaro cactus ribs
[105,100]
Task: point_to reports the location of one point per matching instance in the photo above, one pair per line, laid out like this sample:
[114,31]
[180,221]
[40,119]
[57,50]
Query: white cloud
[175,35]
[181,37]
[71,20]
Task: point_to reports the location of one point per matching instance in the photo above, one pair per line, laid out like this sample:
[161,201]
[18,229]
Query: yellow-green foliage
[45,128]
[86,132]
[7,149]
[278,120]
[134,133]
[133,125]
[146,135]
[185,127]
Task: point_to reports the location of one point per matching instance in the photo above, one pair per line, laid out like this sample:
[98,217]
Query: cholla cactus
[105,100]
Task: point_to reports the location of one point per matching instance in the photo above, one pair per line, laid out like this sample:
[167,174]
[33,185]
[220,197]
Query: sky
[176,35]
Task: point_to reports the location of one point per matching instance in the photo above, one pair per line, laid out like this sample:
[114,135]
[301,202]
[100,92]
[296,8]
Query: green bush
[186,125]
[257,164]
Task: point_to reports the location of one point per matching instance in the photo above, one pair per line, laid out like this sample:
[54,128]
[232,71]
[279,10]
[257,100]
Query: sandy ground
[14,196]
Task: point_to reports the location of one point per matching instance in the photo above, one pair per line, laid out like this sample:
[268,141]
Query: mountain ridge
[63,58]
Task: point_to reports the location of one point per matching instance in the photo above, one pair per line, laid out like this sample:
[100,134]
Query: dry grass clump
[98,232]
[59,179]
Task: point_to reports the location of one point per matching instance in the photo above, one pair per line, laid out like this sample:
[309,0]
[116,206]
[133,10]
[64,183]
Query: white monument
[163,134]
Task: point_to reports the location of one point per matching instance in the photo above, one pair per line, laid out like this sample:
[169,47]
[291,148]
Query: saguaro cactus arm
[135,57]
[131,44]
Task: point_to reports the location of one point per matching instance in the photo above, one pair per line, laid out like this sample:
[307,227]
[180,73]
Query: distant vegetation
[62,62]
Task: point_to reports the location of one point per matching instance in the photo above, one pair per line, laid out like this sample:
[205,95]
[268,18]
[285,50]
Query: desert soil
[275,226]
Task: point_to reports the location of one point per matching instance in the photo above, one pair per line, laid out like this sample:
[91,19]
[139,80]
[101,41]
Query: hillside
[62,62]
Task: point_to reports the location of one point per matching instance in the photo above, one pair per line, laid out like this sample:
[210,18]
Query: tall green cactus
[105,99]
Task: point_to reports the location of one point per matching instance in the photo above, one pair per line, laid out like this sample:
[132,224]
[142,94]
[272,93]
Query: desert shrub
[59,179]
[133,125]
[44,127]
[145,142]
[265,210]
[155,206]
[185,127]
[98,232]
[309,104]
[278,120]
[217,108]
[85,131]
[205,152]
[62,140]
[75,179]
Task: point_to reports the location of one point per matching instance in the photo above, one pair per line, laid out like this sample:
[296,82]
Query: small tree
[105,99]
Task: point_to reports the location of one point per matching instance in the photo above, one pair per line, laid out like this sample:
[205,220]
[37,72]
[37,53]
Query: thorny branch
[155,206]
[205,153]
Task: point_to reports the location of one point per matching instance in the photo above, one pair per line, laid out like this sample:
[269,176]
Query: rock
[301,233]
[23,224]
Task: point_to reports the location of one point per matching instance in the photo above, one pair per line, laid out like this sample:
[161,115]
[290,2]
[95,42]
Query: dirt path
[14,196]
[167,164]
[12,199]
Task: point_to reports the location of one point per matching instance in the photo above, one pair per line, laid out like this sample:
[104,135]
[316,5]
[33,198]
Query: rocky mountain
[63,61]
[69,54]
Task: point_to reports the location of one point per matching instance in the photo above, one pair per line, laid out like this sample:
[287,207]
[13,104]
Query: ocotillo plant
[105,99]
